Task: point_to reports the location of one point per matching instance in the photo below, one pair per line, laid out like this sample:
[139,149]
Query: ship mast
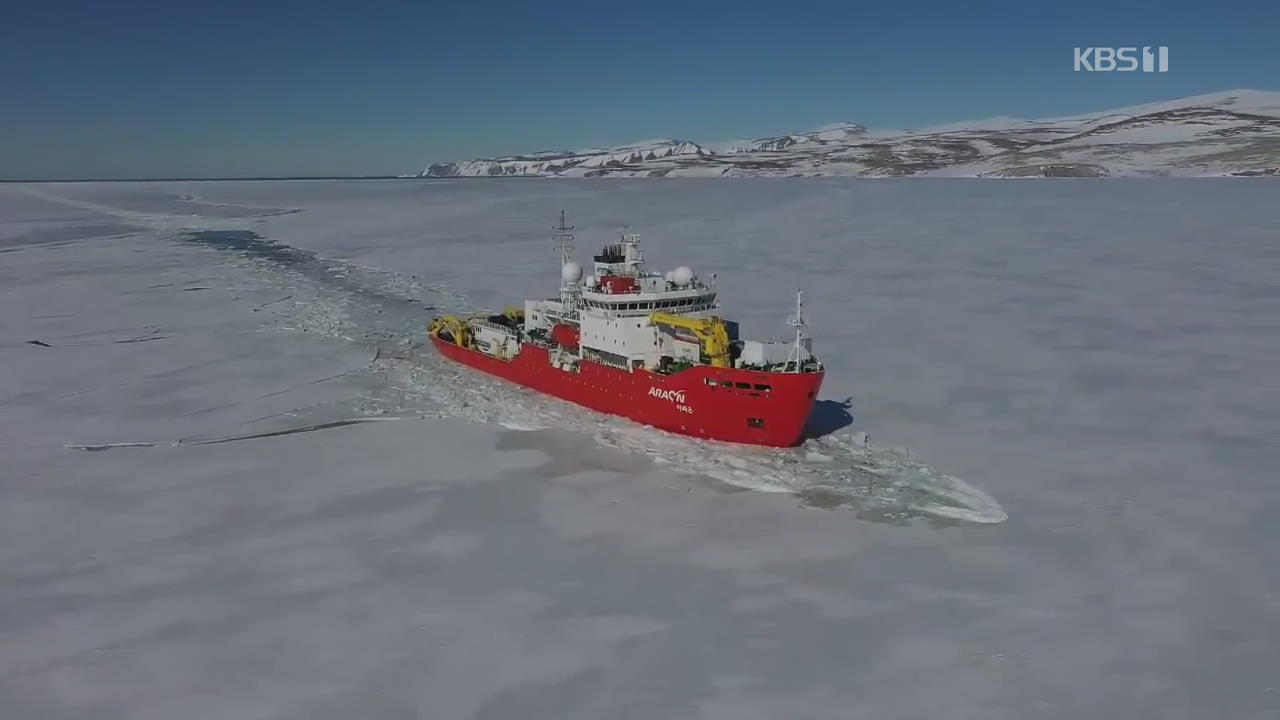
[563,237]
[798,322]
[633,258]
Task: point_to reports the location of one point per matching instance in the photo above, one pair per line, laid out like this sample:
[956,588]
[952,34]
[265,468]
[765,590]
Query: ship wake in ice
[841,469]
[388,311]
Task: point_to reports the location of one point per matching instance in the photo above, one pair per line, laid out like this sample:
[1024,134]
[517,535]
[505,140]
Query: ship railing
[789,366]
[605,359]
[481,322]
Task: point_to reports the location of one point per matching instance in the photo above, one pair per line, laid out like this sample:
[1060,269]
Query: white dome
[571,273]
[682,275]
[668,276]
[590,281]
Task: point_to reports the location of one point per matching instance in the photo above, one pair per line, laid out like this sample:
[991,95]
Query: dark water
[384,306]
[331,273]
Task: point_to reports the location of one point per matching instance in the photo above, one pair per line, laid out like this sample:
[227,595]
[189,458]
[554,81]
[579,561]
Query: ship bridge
[620,284]
[647,294]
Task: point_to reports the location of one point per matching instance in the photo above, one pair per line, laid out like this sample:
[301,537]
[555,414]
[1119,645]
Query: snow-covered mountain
[592,161]
[1236,132]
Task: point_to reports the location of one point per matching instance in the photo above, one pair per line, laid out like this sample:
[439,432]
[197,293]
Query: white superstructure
[611,313]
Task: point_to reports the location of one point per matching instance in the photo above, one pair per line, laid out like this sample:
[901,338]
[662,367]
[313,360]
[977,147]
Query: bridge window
[763,388]
[742,386]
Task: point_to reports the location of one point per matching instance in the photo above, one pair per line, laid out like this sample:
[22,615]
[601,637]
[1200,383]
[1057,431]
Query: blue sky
[149,89]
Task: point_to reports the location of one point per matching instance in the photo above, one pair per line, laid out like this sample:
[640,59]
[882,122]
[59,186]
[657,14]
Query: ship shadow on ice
[827,417]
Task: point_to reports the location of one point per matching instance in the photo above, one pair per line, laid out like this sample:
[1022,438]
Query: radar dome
[571,273]
[682,275]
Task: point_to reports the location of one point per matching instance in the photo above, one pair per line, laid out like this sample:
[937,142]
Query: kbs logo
[1123,59]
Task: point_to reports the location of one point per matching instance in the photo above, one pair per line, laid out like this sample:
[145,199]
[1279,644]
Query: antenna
[563,238]
[798,322]
[632,256]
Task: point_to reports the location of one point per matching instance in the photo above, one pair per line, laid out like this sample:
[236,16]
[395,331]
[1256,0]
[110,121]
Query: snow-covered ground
[235,484]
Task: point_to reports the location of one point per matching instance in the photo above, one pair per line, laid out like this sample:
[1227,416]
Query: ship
[651,347]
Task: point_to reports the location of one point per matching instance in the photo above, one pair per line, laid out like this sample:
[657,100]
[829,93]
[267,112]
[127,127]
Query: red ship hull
[731,405]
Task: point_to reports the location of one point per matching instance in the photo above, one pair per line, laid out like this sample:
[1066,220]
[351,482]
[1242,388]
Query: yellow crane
[711,332]
[459,330]
[455,326]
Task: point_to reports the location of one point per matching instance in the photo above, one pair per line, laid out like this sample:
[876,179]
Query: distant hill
[1236,132]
